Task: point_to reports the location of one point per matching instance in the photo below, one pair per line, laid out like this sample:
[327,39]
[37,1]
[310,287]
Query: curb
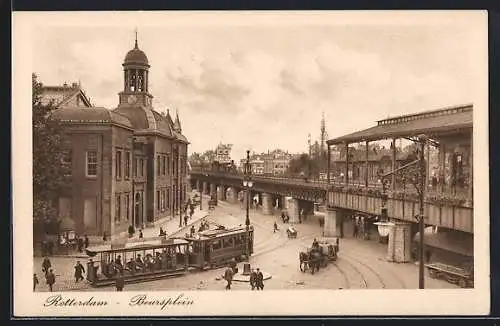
[183,228]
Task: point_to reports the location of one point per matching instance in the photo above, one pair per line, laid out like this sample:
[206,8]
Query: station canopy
[432,123]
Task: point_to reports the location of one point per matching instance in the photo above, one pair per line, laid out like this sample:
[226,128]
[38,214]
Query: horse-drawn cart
[319,255]
[291,232]
[451,274]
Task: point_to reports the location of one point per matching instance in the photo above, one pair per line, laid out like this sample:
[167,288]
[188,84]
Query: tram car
[215,248]
[139,262]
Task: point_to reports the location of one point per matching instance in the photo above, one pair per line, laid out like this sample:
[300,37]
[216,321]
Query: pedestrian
[260,280]
[193,230]
[35,282]
[355,229]
[46,265]
[253,279]
[51,279]
[275,227]
[186,220]
[228,276]
[301,214]
[131,231]
[141,235]
[120,282]
[105,236]
[79,270]
[80,244]
[86,241]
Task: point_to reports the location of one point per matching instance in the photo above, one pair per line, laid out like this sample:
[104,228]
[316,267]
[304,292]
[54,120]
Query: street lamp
[247,184]
[384,227]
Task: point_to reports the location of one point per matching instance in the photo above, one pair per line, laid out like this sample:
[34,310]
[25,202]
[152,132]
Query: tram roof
[210,234]
[133,246]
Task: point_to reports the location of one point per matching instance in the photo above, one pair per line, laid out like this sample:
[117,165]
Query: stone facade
[399,245]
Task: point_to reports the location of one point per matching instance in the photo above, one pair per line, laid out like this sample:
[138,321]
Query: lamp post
[247,184]
[384,226]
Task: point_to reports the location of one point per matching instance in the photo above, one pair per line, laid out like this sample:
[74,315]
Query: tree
[48,168]
[303,165]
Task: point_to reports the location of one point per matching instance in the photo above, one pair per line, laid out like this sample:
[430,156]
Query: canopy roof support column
[366,163]
[393,177]
[346,163]
[328,166]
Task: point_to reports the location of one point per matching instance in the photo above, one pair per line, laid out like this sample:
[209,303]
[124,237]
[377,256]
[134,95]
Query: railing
[442,191]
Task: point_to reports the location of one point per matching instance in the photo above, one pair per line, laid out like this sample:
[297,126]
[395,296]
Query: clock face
[131,99]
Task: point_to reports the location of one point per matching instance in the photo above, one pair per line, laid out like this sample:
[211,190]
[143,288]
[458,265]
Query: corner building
[128,165]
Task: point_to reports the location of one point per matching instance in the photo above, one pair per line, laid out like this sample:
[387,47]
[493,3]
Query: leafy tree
[48,169]
[303,165]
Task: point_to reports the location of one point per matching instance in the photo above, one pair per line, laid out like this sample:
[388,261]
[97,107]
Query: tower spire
[136,45]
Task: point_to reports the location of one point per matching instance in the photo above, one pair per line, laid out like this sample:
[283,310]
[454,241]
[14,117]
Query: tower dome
[136,56]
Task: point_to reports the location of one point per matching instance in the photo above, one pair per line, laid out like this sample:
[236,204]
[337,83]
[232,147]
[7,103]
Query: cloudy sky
[261,87]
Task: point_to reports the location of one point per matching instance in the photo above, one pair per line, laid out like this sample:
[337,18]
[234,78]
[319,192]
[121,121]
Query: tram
[139,262]
[214,248]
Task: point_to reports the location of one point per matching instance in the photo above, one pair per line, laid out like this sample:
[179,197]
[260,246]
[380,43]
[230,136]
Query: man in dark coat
[80,244]
[51,279]
[79,270]
[228,276]
[253,279]
[120,282]
[260,280]
[46,265]
[35,282]
[86,241]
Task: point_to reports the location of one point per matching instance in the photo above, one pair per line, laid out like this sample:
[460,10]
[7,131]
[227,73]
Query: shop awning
[456,242]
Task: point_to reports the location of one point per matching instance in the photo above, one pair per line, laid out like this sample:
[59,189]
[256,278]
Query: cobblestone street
[361,264]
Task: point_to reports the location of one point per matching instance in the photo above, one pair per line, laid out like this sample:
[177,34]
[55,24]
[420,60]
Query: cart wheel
[462,283]
[432,273]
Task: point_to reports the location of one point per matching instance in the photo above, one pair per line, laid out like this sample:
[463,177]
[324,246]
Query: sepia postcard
[314,163]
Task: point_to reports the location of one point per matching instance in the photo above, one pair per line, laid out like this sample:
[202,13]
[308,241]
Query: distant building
[274,163]
[223,153]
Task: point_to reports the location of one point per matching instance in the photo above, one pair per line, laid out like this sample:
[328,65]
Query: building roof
[136,57]
[90,115]
[429,122]
[61,95]
[144,119]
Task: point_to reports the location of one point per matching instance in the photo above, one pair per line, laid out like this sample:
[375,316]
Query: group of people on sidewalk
[256,278]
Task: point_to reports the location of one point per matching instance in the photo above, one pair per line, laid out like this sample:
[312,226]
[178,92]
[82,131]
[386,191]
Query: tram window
[237,241]
[216,245]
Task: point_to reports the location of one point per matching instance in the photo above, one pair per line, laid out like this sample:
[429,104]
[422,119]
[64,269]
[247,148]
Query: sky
[262,87]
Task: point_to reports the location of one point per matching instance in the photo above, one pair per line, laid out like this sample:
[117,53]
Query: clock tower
[135,79]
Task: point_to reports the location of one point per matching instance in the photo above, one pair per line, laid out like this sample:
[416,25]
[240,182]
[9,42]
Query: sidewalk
[169,225]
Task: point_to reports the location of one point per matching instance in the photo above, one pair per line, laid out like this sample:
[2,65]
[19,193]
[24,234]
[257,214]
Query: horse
[314,260]
[304,261]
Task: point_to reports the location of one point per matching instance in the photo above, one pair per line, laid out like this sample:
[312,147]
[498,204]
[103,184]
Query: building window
[118,163]
[158,165]
[118,209]
[127,206]
[67,162]
[142,168]
[127,165]
[167,195]
[158,200]
[163,200]
[91,170]
[136,167]
[168,164]
[163,165]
